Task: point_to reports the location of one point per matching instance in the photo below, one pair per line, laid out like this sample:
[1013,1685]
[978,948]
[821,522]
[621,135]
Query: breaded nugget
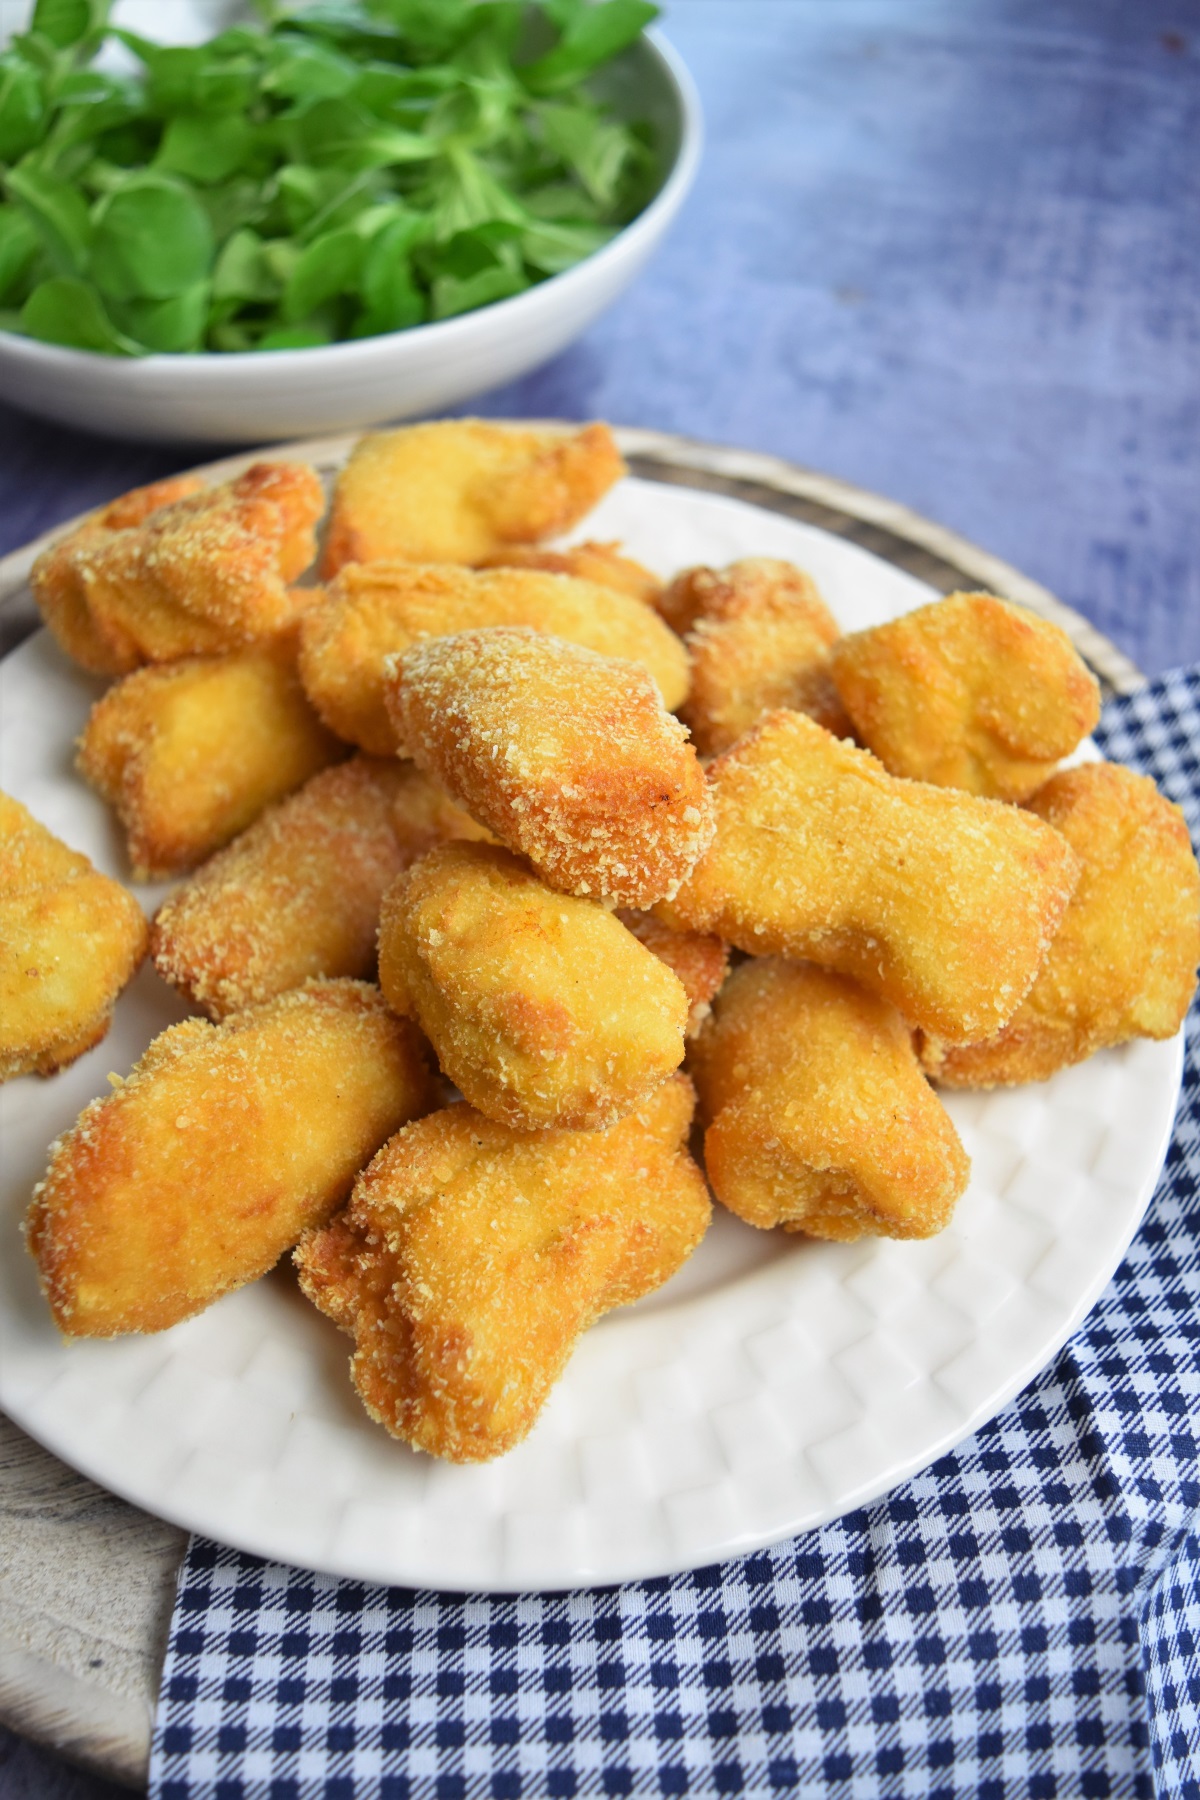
[543,1009]
[376,610]
[941,903]
[189,753]
[137,505]
[72,624]
[222,1147]
[70,938]
[1123,964]
[759,636]
[296,895]
[599,563]
[423,814]
[202,574]
[700,961]
[458,490]
[818,1116]
[744,668]
[568,757]
[472,1257]
[750,586]
[968,692]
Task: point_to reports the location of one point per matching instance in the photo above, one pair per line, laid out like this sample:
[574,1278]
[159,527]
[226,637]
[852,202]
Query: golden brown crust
[543,1009]
[818,1117]
[743,669]
[471,1258]
[376,610]
[423,814]
[753,587]
[568,757]
[601,564]
[189,753]
[222,1147]
[759,637]
[196,576]
[136,506]
[941,903]
[70,939]
[700,960]
[73,625]
[297,895]
[685,598]
[968,692]
[459,490]
[1123,963]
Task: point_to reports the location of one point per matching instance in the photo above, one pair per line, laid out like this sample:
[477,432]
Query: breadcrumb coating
[223,1146]
[968,692]
[759,637]
[568,757]
[458,490]
[189,753]
[818,1116]
[204,573]
[751,587]
[471,1258]
[543,1009]
[1123,963]
[423,814]
[941,903]
[70,939]
[375,610]
[700,961]
[136,506]
[297,895]
[73,625]
[602,564]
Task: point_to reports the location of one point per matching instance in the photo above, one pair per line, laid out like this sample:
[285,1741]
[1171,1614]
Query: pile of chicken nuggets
[471,931]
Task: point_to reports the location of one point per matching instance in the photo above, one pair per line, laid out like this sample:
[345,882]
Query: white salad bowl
[257,396]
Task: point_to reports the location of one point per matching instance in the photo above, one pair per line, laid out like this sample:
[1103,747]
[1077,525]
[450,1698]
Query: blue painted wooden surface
[947,249]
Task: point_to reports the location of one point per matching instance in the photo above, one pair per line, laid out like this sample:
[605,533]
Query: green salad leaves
[352,167]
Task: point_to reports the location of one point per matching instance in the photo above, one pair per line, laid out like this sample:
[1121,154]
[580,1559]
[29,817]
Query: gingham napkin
[1021,1620]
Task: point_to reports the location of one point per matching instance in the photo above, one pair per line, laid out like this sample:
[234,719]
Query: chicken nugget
[941,903]
[72,625]
[968,692]
[189,753]
[223,1146]
[568,757]
[423,814]
[759,636]
[297,895]
[700,961]
[818,1116]
[201,574]
[375,610]
[750,587]
[1123,963]
[599,563]
[471,1257]
[137,505]
[543,1009]
[70,938]
[458,490]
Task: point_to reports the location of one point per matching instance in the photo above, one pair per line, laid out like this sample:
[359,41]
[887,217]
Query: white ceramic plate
[772,1385]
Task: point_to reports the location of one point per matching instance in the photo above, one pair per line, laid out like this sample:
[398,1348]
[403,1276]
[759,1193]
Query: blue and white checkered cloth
[1021,1620]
